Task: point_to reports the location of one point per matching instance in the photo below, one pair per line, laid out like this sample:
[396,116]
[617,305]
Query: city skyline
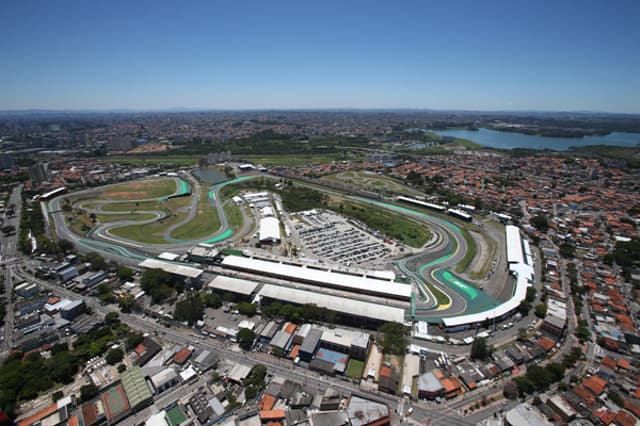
[156,56]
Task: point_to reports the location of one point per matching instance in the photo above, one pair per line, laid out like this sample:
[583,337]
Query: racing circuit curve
[430,269]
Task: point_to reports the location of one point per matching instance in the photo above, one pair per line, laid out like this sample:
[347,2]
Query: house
[388,379]
[429,387]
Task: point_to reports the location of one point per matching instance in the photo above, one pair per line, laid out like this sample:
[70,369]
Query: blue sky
[478,55]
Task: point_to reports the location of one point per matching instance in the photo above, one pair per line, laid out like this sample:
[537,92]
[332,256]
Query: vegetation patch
[355,369]
[204,223]
[469,255]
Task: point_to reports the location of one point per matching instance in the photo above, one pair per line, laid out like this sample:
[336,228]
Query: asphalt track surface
[433,265]
[132,252]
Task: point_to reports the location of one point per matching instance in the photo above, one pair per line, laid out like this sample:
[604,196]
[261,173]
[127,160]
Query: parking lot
[332,237]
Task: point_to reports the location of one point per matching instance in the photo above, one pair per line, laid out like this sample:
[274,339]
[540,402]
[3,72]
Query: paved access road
[8,251]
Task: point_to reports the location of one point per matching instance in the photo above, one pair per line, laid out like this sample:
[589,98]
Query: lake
[210,175]
[509,140]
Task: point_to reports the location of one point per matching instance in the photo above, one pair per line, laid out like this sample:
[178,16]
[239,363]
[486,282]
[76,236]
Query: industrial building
[182,271]
[269,230]
[136,388]
[352,311]
[223,284]
[321,277]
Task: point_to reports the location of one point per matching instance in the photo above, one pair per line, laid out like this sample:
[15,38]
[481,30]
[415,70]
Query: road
[8,251]
[276,366]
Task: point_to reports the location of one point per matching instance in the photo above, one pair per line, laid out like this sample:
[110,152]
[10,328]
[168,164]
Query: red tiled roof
[271,415]
[595,384]
[625,418]
[546,343]
[39,415]
[605,416]
[182,355]
[609,362]
[623,364]
[267,402]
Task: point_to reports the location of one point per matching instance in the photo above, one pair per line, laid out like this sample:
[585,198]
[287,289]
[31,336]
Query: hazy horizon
[256,56]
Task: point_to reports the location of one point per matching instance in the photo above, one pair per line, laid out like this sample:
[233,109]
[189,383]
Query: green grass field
[399,227]
[234,216]
[140,190]
[469,255]
[151,233]
[440,296]
[354,369]
[107,218]
[205,222]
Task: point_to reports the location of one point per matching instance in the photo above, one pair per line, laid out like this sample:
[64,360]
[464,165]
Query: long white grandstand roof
[422,203]
[172,268]
[234,285]
[320,277]
[334,303]
[514,245]
[524,275]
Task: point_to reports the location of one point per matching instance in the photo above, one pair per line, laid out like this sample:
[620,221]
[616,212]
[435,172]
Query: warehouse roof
[269,229]
[233,285]
[172,268]
[334,303]
[135,387]
[344,281]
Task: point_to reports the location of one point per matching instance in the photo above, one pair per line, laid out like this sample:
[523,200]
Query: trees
[211,300]
[524,307]
[246,308]
[114,356]
[582,330]
[522,334]
[112,319]
[133,339]
[480,349]
[540,222]
[88,392]
[105,294]
[531,294]
[124,273]
[510,390]
[158,284]
[97,261]
[189,310]
[127,303]
[254,382]
[245,338]
[541,310]
[567,250]
[393,338]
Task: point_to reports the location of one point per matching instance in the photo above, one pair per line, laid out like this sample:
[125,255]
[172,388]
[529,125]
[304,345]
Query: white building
[269,230]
